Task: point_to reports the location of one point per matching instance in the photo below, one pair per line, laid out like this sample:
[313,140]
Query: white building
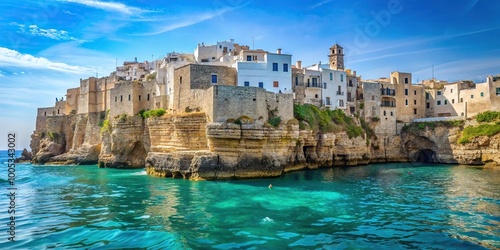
[259,68]
[212,53]
[331,83]
[133,70]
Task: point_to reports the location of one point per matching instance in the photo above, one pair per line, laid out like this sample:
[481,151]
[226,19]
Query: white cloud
[69,13]
[110,6]
[12,58]
[191,20]
[55,34]
[321,4]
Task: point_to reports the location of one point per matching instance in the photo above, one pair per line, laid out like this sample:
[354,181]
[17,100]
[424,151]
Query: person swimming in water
[270,186]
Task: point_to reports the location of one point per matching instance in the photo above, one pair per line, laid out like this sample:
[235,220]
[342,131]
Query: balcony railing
[328,103]
[314,85]
[350,99]
[388,91]
[387,104]
[340,93]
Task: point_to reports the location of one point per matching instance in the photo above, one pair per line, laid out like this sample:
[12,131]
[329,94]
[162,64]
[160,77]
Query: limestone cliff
[188,146]
[439,144]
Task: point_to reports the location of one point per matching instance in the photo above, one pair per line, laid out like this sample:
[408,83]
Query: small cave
[425,156]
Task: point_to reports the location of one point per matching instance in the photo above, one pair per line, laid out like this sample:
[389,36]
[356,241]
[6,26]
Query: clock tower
[336,57]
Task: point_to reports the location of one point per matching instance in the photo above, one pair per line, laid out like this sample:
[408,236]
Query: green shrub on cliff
[151,113]
[275,121]
[105,126]
[326,120]
[488,116]
[472,132]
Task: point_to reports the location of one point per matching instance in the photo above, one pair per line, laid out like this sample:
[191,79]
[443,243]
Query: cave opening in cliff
[425,156]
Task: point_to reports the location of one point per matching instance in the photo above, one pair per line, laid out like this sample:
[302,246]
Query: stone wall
[72,97]
[190,82]
[178,132]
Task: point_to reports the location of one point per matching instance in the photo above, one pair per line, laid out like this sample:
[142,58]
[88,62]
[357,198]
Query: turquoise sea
[389,206]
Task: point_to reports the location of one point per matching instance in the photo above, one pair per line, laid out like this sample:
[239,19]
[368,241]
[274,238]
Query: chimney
[278,51]
[299,65]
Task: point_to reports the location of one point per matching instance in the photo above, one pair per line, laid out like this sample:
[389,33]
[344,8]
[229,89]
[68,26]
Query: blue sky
[47,46]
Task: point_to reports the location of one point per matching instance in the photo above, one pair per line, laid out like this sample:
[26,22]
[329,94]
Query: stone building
[298,84]
[352,88]
[130,97]
[191,82]
[409,97]
[134,70]
[463,98]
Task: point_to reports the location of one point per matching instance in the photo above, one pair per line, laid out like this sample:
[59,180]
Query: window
[315,82]
[415,102]
[341,103]
[261,85]
[116,98]
[414,92]
[392,114]
[148,97]
[350,83]
[428,105]
[58,111]
[249,58]
[438,102]
[139,97]
[331,76]
[373,98]
[498,91]
[482,94]
[296,81]
[406,80]
[406,91]
[121,98]
[275,66]
[439,93]
[324,85]
[180,80]
[385,113]
[452,101]
[471,96]
[445,102]
[285,67]
[247,83]
[276,84]
[451,90]
[214,78]
[342,77]
[316,96]
[406,102]
[129,97]
[414,111]
[461,100]
[427,95]
[462,114]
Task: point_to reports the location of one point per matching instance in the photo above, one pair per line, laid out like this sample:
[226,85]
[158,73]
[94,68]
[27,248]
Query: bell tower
[336,57]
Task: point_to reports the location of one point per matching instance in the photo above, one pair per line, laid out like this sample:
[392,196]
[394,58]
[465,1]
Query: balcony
[388,91]
[390,104]
[328,103]
[340,92]
[350,100]
[314,85]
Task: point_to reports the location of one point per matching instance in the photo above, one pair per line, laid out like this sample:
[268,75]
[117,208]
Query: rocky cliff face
[440,145]
[71,139]
[187,146]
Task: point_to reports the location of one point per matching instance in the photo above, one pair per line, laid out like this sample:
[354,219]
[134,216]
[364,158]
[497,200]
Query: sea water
[385,206]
